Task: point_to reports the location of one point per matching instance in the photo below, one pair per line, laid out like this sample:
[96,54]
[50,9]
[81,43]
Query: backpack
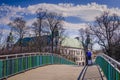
[89,53]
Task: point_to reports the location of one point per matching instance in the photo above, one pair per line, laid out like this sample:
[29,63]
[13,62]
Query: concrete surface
[92,73]
[50,72]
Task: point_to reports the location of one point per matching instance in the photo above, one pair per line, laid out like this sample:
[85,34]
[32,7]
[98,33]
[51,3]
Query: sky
[77,13]
[25,3]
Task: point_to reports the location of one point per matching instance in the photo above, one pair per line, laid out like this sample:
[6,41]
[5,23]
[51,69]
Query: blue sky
[75,16]
[24,3]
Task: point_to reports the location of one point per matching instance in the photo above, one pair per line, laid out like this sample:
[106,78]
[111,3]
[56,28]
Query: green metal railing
[12,66]
[109,66]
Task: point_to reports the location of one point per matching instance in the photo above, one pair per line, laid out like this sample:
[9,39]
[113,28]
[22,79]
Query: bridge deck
[50,72]
[92,73]
[59,72]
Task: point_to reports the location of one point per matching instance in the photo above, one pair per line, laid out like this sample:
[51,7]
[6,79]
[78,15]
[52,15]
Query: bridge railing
[13,64]
[109,66]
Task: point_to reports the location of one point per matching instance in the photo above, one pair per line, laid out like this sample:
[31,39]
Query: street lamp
[10,41]
[56,36]
[87,41]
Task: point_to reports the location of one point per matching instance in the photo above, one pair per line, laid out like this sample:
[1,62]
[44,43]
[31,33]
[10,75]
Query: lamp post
[87,43]
[10,41]
[56,36]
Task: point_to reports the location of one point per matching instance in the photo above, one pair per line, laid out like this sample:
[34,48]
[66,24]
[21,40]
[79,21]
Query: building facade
[77,53]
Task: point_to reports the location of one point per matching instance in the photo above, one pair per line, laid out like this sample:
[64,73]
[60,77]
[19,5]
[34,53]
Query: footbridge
[47,66]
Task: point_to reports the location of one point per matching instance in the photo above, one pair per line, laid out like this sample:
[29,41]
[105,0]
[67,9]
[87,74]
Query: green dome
[71,42]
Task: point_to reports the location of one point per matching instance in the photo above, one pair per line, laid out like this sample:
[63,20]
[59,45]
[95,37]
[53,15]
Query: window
[78,53]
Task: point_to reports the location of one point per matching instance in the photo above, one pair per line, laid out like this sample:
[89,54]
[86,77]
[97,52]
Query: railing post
[117,75]
[41,59]
[109,72]
[109,67]
[1,69]
[52,59]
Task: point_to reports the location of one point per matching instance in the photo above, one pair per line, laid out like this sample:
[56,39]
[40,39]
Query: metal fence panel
[37,60]
[110,72]
[4,68]
[40,59]
[16,65]
[20,66]
[11,66]
[1,69]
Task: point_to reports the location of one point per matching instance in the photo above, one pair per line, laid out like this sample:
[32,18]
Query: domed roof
[71,42]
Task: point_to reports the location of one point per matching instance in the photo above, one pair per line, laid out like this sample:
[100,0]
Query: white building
[73,47]
[76,53]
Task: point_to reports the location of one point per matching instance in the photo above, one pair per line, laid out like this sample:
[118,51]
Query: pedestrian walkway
[93,73]
[50,72]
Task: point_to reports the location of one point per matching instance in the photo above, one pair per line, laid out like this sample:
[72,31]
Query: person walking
[89,56]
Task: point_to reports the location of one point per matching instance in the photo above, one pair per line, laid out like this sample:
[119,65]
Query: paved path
[92,73]
[50,72]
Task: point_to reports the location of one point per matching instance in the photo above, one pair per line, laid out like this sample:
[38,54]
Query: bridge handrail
[111,61]
[13,65]
[2,57]
[24,54]
[109,66]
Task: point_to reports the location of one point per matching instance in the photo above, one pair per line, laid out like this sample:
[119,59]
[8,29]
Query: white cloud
[74,26]
[84,12]
[8,12]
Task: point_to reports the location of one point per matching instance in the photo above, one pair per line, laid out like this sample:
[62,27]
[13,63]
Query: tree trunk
[52,41]
[20,44]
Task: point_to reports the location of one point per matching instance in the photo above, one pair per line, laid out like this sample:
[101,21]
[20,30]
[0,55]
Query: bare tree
[55,25]
[18,25]
[105,29]
[85,38]
[61,36]
[82,35]
[1,35]
[39,25]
